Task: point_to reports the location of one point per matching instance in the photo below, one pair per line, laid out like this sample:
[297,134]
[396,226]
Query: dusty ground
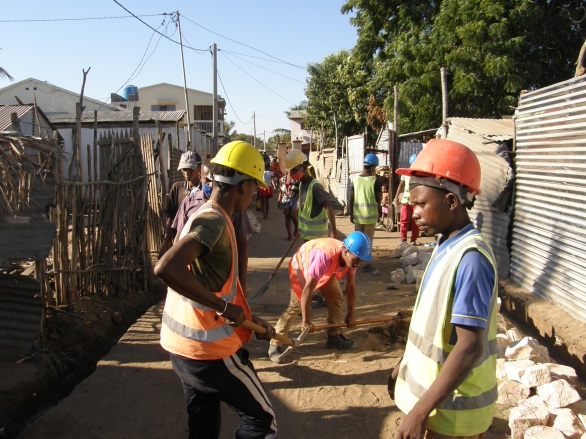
[320,394]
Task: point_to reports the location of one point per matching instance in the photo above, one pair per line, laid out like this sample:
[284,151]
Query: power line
[269,70]
[76,19]
[243,44]
[230,103]
[269,89]
[149,26]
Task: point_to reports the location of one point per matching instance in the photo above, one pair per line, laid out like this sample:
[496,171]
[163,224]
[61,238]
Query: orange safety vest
[299,263]
[195,331]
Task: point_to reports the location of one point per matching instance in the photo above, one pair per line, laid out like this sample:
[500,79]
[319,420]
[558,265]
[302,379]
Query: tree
[337,91]
[301,106]
[5,74]
[491,49]
[229,130]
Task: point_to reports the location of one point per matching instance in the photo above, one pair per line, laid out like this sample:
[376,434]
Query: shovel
[262,290]
[292,342]
[358,323]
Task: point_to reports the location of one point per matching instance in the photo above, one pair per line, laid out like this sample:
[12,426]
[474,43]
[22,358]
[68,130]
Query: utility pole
[215,97]
[264,141]
[254,125]
[184,86]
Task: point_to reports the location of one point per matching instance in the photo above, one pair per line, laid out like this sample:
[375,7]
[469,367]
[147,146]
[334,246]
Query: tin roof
[118,116]
[497,130]
[298,114]
[6,112]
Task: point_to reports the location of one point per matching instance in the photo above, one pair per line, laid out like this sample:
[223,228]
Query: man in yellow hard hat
[205,305]
[446,381]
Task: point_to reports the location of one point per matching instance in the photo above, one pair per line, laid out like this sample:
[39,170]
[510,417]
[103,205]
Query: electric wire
[268,88]
[34,20]
[243,44]
[264,68]
[230,103]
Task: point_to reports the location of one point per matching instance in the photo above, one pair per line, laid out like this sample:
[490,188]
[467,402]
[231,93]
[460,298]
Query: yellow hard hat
[243,158]
[294,158]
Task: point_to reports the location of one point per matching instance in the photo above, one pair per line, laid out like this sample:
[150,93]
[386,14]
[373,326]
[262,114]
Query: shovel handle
[358,323]
[262,330]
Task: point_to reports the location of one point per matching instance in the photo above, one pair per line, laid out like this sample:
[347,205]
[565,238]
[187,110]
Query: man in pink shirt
[319,264]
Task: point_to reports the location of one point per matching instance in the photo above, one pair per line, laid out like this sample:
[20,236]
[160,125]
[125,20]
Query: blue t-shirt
[473,286]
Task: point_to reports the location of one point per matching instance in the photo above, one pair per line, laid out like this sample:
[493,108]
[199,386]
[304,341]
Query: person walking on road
[315,209]
[404,199]
[319,264]
[446,381]
[190,167]
[365,197]
[288,199]
[205,306]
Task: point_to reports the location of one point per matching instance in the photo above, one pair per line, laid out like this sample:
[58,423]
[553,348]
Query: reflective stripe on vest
[469,409]
[311,228]
[365,207]
[299,263]
[194,330]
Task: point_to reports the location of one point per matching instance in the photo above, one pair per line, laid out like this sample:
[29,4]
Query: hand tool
[262,290]
[358,323]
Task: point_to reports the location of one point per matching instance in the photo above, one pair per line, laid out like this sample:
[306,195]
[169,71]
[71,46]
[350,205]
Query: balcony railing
[207,126]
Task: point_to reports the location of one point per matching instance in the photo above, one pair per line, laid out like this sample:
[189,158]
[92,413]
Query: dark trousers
[232,380]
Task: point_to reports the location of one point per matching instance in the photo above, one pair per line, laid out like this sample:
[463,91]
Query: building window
[162,107]
[203,112]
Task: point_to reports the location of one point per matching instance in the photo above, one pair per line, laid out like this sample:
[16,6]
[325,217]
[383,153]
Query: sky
[263,46]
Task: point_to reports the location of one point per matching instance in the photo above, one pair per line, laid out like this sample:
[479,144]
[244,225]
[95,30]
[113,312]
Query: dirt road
[320,394]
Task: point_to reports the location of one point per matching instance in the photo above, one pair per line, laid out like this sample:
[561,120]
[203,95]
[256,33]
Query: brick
[514,334]
[398,276]
[501,373]
[562,372]
[558,394]
[502,340]
[536,376]
[511,393]
[411,259]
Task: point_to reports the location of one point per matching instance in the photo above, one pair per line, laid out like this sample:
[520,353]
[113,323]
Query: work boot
[275,352]
[339,342]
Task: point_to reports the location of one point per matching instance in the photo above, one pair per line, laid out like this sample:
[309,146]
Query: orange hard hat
[447,159]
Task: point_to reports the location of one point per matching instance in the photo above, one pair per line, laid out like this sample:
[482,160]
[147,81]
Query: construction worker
[190,167]
[365,197]
[205,305]
[315,208]
[319,264]
[242,225]
[403,198]
[446,381]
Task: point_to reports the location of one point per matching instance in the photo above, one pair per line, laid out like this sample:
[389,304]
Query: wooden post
[581,63]
[394,154]
[444,96]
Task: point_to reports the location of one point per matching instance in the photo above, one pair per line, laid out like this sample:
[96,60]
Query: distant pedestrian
[318,264]
[403,198]
[190,167]
[205,306]
[288,199]
[364,200]
[265,194]
[446,382]
[384,203]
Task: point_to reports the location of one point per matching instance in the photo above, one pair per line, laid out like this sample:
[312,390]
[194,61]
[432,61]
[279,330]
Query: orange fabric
[299,263]
[185,327]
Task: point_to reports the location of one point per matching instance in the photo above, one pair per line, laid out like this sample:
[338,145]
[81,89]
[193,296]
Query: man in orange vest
[205,306]
[319,264]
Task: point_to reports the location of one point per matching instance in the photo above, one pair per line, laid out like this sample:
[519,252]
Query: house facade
[299,132]
[51,98]
[169,97]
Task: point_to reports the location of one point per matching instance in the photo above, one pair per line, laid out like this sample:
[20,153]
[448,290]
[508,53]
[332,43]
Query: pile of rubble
[537,396]
[414,260]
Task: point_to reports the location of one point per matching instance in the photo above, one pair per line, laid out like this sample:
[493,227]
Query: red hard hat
[448,159]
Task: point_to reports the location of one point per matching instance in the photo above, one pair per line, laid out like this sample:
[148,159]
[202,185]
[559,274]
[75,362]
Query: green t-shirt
[212,267]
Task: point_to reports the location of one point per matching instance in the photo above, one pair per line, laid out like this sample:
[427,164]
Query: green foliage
[492,49]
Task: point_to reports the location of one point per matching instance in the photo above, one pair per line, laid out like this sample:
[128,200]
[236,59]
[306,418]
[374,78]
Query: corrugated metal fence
[549,251]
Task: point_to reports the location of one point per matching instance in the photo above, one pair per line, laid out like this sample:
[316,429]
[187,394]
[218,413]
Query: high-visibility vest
[299,263]
[365,207]
[311,228]
[469,409]
[195,331]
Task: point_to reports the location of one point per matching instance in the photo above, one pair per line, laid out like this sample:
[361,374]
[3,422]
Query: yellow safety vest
[469,409]
[311,228]
[365,207]
[195,331]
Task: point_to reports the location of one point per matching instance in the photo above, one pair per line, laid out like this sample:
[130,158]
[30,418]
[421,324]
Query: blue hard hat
[371,159]
[412,158]
[359,245]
